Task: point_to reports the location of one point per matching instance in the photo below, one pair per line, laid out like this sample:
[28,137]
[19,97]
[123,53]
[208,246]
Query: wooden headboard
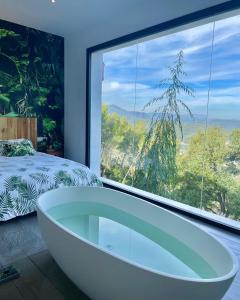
[17,128]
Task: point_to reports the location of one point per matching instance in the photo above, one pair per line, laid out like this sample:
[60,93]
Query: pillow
[18,147]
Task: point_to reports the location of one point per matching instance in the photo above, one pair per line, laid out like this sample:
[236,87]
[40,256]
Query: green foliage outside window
[149,155]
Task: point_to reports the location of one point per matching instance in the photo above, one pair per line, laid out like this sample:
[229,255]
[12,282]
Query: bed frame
[17,127]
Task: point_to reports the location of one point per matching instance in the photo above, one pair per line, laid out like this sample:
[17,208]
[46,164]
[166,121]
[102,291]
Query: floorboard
[32,284]
[8,291]
[20,237]
[50,270]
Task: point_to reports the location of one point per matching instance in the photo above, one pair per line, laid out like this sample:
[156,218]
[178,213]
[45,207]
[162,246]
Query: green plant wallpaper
[32,81]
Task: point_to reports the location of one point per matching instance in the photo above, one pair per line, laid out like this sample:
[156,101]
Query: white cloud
[161,51]
[115,86]
[218,96]
[155,56]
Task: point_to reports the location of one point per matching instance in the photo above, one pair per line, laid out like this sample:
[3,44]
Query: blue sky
[156,55]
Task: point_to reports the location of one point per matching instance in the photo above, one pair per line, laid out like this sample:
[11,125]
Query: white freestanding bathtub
[192,265]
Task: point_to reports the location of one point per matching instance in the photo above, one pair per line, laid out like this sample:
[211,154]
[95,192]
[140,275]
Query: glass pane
[118,98]
[222,152]
[174,70]
[170,122]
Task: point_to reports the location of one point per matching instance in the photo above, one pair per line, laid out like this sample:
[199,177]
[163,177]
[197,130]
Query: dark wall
[32,81]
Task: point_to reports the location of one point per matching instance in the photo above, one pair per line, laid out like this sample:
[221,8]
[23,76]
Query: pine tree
[155,169]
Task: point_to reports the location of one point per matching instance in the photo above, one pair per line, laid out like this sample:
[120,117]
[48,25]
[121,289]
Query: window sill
[195,213]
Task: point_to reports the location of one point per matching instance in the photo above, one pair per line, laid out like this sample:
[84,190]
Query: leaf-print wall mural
[32,81]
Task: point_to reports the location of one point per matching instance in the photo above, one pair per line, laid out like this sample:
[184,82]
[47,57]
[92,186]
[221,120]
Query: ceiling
[64,16]
[67,16]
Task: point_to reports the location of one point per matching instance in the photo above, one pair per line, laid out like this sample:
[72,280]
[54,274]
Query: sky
[147,63]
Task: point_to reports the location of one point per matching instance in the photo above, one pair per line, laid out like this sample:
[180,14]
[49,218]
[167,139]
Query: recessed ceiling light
[53,1]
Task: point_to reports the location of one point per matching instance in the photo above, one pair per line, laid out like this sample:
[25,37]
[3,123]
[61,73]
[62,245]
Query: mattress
[24,178]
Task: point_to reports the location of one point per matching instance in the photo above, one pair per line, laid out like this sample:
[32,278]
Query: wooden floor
[40,278]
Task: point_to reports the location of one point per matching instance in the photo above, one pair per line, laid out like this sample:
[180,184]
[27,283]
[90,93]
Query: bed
[24,178]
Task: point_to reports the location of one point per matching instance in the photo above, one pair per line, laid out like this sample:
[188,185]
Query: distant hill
[197,122]
[130,115]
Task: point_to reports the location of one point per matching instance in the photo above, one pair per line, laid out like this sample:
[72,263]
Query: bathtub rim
[229,275]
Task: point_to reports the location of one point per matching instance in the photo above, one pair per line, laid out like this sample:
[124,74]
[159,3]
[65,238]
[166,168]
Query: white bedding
[24,178]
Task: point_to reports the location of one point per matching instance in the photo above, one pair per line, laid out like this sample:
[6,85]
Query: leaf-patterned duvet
[23,179]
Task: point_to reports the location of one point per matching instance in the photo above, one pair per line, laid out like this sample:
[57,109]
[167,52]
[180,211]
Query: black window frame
[209,12]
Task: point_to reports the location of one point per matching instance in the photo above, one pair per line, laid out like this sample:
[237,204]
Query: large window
[169,117]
